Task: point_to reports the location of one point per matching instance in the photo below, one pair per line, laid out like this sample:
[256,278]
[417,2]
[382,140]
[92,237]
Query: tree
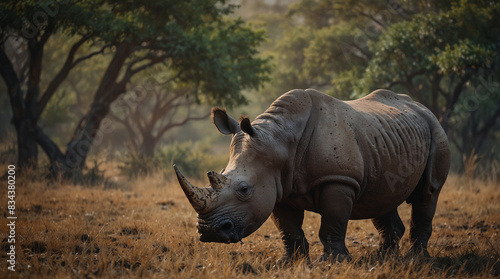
[194,38]
[335,40]
[443,54]
[442,60]
[153,108]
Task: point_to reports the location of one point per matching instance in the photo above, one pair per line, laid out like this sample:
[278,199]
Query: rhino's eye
[244,191]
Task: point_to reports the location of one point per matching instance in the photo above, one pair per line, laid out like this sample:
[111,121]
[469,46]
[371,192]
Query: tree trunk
[85,133]
[27,152]
[148,145]
[51,149]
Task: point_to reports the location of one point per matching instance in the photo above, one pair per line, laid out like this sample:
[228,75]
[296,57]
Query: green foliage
[327,47]
[188,158]
[464,54]
[448,61]
[228,62]
[92,176]
[133,165]
[289,55]
[442,53]
[201,43]
[465,37]
[212,55]
[193,159]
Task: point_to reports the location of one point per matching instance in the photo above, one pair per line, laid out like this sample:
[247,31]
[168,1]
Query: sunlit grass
[146,228]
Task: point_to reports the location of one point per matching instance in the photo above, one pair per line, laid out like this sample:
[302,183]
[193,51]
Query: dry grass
[148,230]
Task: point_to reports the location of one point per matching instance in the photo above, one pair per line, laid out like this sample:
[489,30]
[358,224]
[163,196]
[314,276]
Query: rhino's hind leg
[424,198]
[335,201]
[289,220]
[391,229]
[421,224]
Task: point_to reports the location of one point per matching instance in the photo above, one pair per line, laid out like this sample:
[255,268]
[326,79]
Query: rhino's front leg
[289,220]
[335,203]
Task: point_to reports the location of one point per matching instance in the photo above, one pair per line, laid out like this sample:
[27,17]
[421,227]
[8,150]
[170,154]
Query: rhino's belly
[377,196]
[375,202]
[385,194]
[376,206]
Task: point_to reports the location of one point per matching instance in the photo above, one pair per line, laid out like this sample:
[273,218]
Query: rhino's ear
[224,123]
[246,126]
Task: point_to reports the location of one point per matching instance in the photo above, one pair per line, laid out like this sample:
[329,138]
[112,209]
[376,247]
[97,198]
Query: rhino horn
[202,199]
[217,181]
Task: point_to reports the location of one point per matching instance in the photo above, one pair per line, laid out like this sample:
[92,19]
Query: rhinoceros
[345,160]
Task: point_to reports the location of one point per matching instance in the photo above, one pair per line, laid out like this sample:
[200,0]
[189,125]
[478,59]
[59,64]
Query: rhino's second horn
[202,199]
[217,181]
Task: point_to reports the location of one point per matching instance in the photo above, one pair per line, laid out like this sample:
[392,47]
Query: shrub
[133,165]
[194,159]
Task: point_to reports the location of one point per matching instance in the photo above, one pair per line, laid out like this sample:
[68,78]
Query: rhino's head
[243,195]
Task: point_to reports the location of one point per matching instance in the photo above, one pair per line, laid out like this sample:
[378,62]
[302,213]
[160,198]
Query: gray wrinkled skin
[342,159]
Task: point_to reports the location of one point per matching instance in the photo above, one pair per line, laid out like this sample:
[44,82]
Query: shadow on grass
[470,263]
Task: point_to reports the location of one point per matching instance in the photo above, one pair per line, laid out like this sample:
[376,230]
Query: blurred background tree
[214,54]
[155,106]
[443,54]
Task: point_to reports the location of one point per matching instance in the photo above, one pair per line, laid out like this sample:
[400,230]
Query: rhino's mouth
[224,231]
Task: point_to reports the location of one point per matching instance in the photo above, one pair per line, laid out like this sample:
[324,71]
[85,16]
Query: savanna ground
[145,227]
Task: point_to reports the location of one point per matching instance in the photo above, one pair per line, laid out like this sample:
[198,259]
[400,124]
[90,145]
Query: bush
[194,159]
[188,158]
[133,165]
[92,176]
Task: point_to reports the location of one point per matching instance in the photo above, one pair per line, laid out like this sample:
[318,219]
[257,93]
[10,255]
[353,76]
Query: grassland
[146,228]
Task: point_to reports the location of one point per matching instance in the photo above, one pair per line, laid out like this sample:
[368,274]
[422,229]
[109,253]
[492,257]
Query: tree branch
[130,71]
[483,132]
[36,48]
[159,109]
[139,120]
[90,55]
[408,84]
[434,95]
[109,89]
[371,17]
[49,147]
[60,77]
[49,30]
[162,131]
[457,144]
[458,89]
[366,54]
[130,130]
[13,86]
[153,60]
